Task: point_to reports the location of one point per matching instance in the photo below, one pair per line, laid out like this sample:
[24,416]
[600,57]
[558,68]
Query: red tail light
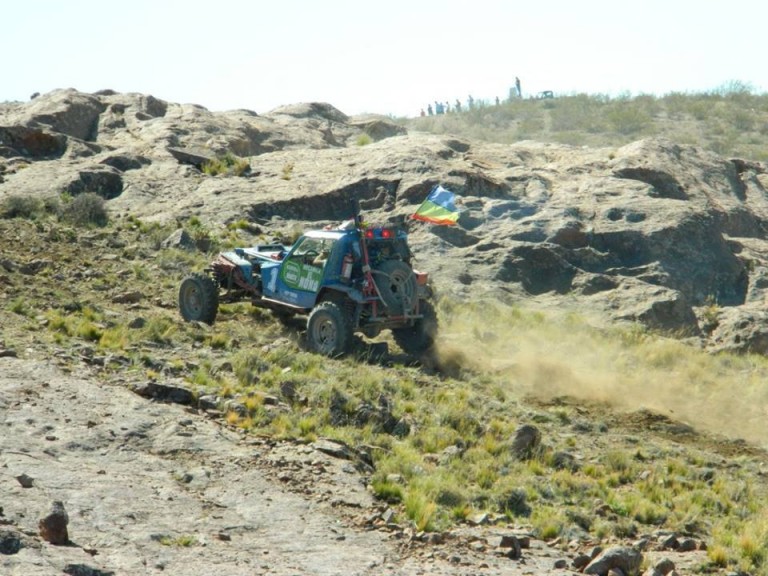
[380,233]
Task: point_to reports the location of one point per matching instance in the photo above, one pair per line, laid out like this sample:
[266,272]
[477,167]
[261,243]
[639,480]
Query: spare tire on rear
[397,286]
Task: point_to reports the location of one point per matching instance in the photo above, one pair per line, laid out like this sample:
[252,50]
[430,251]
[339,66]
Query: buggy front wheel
[329,330]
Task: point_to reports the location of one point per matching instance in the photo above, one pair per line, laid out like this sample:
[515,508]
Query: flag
[438,208]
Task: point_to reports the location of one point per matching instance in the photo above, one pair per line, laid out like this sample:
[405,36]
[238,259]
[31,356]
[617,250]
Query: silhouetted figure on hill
[517,87]
[429,109]
[457,105]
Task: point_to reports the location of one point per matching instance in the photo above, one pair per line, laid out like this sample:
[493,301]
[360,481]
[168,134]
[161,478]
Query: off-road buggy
[347,279]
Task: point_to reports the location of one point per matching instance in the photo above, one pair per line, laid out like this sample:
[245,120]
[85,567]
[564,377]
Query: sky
[389,57]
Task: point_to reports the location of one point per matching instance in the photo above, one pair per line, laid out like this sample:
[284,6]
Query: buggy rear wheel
[198,298]
[420,336]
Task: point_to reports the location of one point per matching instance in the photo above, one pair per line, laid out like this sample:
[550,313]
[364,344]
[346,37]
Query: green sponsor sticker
[302,276]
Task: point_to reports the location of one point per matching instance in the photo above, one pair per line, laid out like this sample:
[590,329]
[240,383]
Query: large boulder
[34,143]
[68,112]
[105,181]
[317,110]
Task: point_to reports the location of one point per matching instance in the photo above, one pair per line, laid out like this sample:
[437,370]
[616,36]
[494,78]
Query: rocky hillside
[542,459]
[656,232]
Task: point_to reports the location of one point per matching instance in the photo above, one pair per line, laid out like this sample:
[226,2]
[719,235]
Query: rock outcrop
[655,232]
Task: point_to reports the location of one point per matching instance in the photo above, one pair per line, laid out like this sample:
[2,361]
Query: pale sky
[387,57]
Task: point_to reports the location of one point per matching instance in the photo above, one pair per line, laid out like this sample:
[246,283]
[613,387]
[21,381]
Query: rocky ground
[157,488]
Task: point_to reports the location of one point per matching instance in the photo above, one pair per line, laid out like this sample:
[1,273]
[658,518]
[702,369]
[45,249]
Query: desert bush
[581,112]
[387,491]
[60,323]
[201,234]
[115,338]
[287,171]
[183,541]
[248,367]
[676,105]
[155,232]
[421,511]
[364,139]
[548,522]
[218,341]
[600,120]
[735,90]
[20,306]
[741,119]
[227,165]
[87,209]
[529,126]
[628,119]
[22,206]
[159,329]
[245,225]
[53,205]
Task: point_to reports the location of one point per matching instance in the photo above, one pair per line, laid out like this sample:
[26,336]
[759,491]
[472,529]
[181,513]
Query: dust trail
[551,354]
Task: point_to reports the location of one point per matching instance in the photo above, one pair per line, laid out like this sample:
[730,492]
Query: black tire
[421,335]
[329,330]
[199,298]
[397,286]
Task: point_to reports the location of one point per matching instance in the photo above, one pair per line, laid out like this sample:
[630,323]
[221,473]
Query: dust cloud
[549,355]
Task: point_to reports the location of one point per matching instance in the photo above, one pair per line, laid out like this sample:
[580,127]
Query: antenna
[356,210]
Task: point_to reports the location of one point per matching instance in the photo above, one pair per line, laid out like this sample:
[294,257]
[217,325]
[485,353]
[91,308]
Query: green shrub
[87,209]
[387,491]
[159,329]
[53,205]
[731,120]
[628,119]
[183,541]
[228,165]
[22,206]
[204,240]
[20,306]
[89,331]
[364,139]
[421,510]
